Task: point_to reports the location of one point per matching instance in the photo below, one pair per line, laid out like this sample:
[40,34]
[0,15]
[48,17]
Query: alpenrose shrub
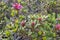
[32,29]
[36,26]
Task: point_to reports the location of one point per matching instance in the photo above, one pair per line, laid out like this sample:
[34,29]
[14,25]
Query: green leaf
[12,13]
[14,30]
[16,20]
[33,35]
[9,27]
[44,38]
[29,33]
[19,1]
[7,33]
[35,39]
[23,3]
[24,10]
[40,32]
[54,34]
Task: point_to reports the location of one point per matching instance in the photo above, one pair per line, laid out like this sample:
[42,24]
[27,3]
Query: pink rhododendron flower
[17,6]
[57,26]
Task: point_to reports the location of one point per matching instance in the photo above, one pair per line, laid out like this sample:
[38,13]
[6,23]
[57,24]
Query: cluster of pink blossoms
[17,6]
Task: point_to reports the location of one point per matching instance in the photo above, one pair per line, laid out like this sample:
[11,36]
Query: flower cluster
[17,6]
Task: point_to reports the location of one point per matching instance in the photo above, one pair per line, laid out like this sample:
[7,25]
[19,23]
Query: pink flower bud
[32,24]
[23,23]
[57,26]
[39,19]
